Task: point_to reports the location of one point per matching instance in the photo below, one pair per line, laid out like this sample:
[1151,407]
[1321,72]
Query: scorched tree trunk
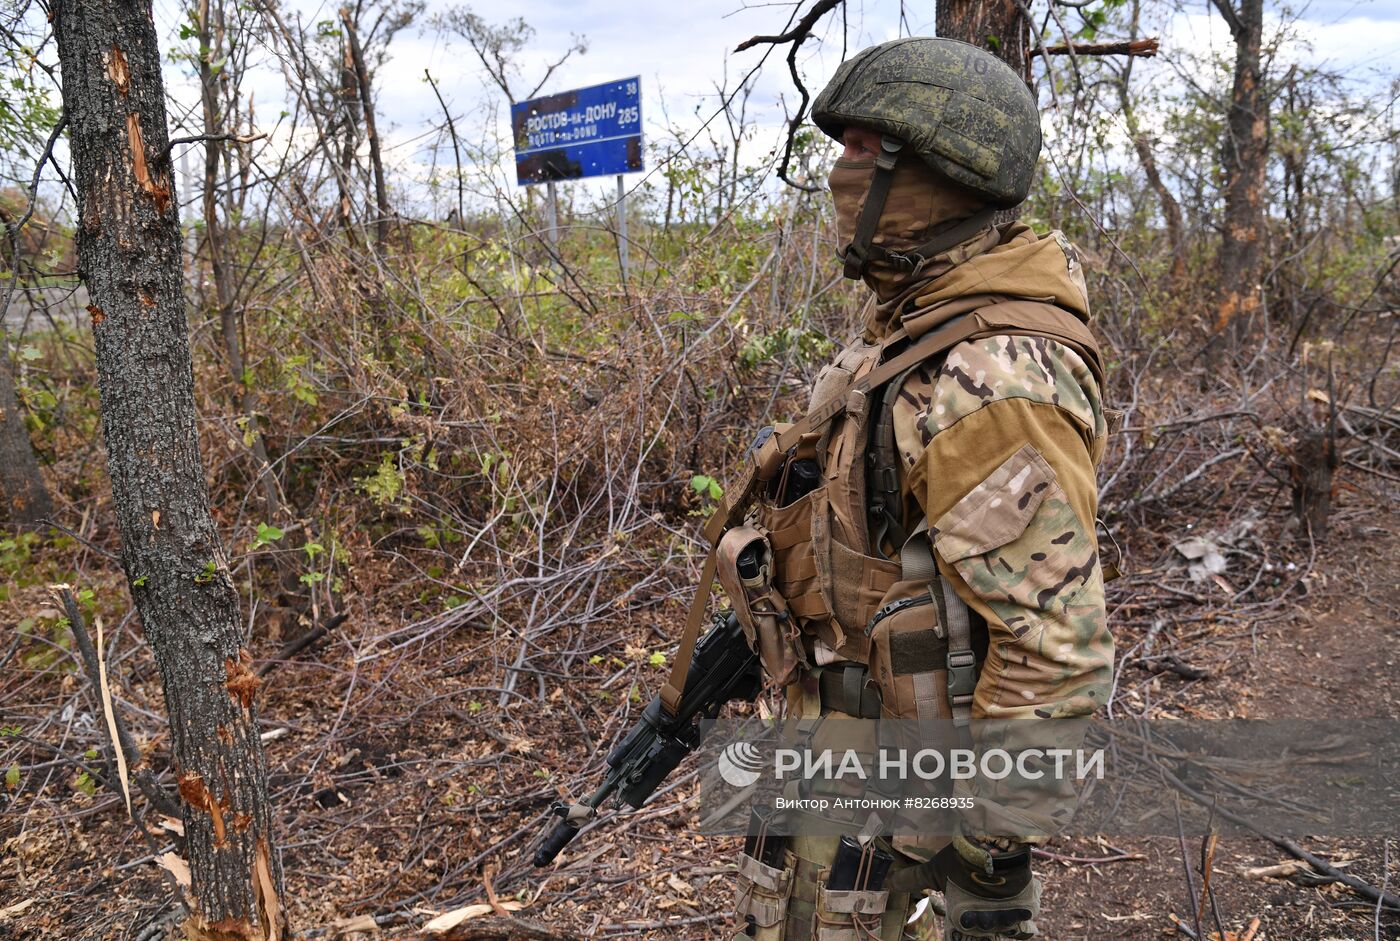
[128,241]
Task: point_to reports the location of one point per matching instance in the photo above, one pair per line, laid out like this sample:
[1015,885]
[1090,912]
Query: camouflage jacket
[999,444]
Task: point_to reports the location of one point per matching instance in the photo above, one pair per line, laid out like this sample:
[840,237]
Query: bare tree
[128,238]
[1244,158]
[356,60]
[498,47]
[1142,146]
[218,85]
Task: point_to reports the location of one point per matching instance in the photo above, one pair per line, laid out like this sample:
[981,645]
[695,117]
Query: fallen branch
[1039,853]
[297,644]
[131,755]
[1170,663]
[494,928]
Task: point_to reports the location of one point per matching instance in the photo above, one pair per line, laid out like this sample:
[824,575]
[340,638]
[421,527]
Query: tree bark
[995,25]
[128,238]
[23,497]
[1244,160]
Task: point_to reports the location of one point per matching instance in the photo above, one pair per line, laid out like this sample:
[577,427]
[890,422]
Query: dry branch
[1141,48]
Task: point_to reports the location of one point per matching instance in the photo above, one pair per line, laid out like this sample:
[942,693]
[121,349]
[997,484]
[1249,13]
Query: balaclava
[919,205]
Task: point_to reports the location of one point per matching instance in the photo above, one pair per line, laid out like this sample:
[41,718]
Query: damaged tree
[1244,158]
[128,240]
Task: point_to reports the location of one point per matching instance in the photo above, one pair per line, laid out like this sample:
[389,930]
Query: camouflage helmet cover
[966,113]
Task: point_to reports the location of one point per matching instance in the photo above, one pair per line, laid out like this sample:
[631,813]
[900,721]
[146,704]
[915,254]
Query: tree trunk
[996,25]
[1244,159]
[128,238]
[23,497]
[1171,209]
[381,195]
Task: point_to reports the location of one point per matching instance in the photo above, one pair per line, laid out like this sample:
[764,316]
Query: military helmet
[966,113]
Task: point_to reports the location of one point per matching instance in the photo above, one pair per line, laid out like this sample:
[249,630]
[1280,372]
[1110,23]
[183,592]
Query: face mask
[918,202]
[849,181]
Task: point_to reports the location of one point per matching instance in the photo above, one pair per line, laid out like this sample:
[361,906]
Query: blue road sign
[594,131]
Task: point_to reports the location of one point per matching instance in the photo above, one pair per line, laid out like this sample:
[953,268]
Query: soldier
[925,546]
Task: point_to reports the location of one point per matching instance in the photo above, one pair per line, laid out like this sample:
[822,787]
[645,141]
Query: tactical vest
[809,569]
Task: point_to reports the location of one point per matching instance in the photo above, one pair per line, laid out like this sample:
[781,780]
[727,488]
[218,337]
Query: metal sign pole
[553,217]
[622,244]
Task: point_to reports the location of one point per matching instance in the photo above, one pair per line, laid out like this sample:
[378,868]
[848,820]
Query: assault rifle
[723,669]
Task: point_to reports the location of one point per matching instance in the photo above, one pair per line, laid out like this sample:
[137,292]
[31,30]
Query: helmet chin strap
[858,256]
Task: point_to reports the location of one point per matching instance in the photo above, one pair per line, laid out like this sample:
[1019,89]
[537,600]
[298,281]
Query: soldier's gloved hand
[989,893]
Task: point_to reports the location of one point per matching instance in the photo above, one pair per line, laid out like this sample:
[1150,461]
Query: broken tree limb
[496,928]
[145,780]
[1142,48]
[1170,663]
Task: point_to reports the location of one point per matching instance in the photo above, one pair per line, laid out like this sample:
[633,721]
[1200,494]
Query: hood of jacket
[1007,262]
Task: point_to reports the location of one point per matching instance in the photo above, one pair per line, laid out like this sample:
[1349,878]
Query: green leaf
[706,486]
[657,659]
[29,353]
[140,580]
[12,777]
[266,534]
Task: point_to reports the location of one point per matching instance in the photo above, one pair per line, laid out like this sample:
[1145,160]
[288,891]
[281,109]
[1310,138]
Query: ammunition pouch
[744,567]
[762,904]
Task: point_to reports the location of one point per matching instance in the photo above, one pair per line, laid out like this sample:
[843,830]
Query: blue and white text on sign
[595,131]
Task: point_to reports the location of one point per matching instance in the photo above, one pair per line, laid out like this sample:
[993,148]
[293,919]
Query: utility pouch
[909,654]
[744,567]
[798,535]
[768,460]
[849,914]
[762,904]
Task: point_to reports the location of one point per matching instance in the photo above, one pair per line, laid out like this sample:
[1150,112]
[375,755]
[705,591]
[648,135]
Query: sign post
[552,216]
[594,131]
[622,243]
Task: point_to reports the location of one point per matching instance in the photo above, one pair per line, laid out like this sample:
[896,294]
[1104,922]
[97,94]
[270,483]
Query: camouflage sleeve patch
[979,372]
[1022,550]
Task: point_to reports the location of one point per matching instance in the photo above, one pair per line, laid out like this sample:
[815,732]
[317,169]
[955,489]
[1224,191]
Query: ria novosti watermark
[1127,778]
[740,764]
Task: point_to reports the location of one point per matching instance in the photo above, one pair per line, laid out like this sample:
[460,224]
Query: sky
[683,51]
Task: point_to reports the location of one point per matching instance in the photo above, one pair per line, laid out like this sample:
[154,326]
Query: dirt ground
[416,806]
[1335,657]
